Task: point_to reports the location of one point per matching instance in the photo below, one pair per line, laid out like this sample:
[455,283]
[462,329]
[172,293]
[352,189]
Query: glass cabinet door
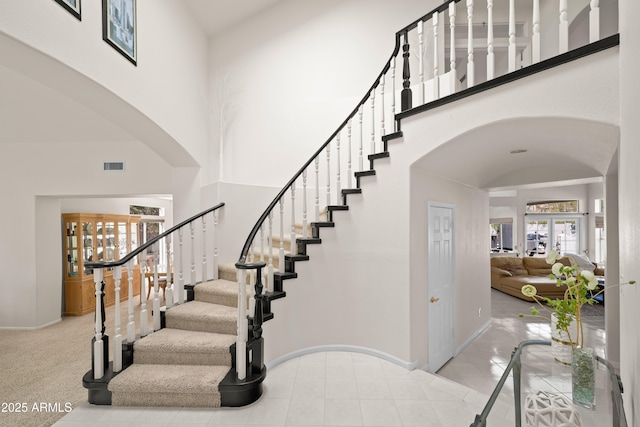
[109,241]
[72,248]
[122,240]
[133,235]
[88,244]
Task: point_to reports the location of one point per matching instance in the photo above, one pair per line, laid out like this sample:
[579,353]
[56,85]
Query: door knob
[434,299]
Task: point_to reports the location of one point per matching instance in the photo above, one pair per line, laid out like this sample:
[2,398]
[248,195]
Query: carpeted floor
[41,370]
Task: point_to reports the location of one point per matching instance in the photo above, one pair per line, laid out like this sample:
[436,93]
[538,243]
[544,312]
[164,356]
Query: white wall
[471,275]
[355,288]
[165,91]
[629,197]
[37,175]
[290,75]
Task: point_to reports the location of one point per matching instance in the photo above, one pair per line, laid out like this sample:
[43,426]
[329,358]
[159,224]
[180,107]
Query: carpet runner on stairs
[183,364]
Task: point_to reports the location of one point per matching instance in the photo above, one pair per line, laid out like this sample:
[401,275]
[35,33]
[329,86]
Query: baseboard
[346,348]
[472,338]
[465,344]
[29,328]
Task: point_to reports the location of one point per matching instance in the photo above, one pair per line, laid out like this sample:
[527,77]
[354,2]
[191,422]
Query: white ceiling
[216,16]
[559,152]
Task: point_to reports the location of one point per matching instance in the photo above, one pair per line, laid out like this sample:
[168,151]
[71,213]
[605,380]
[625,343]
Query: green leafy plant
[582,288]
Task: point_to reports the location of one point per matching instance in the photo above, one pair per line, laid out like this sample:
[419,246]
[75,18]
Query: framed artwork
[72,6]
[119,27]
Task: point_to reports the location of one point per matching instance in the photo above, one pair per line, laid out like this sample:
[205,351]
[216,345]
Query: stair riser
[190,400]
[159,357]
[228,300]
[220,327]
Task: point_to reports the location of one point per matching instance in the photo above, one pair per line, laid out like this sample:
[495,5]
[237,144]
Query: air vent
[114,166]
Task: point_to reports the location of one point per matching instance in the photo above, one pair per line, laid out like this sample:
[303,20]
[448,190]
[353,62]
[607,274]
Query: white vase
[561,347]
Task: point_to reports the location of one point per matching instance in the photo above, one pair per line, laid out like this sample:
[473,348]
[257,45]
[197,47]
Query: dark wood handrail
[254,231]
[242,261]
[428,16]
[137,251]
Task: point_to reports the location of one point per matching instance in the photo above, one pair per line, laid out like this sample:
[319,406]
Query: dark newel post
[406,96]
[257,361]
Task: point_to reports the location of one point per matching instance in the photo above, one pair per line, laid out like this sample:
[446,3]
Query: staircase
[184,363]
[209,350]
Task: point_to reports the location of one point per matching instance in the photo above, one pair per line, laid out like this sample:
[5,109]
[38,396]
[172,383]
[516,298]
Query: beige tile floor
[354,389]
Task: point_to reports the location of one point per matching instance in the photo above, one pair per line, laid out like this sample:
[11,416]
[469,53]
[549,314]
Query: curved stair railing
[178,290]
[337,168]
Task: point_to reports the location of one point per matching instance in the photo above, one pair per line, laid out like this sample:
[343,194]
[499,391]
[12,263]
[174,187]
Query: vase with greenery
[581,288]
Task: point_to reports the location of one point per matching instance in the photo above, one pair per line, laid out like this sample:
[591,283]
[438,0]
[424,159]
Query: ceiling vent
[113,166]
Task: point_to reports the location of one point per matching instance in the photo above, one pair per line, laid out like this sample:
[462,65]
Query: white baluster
[535,38]
[338,167]
[594,21]
[169,294]
[117,342]
[252,273]
[269,284]
[453,81]
[349,167]
[470,63]
[193,254]
[204,249]
[262,242]
[181,266]
[305,223]
[373,121]
[512,35]
[242,325]
[361,154]
[421,51]
[262,255]
[215,245]
[329,174]
[293,218]
[491,59]
[436,57]
[156,290]
[144,316]
[563,40]
[317,208]
[131,325]
[383,132]
[98,344]
[393,91]
[281,249]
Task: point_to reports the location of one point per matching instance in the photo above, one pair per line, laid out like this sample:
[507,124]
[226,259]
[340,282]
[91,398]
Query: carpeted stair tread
[203,317]
[220,291]
[227,271]
[181,347]
[168,385]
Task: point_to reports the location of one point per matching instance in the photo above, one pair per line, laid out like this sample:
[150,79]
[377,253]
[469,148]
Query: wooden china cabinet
[96,237]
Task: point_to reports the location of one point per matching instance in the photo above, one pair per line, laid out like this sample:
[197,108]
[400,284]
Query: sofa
[510,274]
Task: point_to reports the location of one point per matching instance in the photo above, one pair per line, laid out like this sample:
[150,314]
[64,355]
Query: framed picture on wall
[119,27]
[72,6]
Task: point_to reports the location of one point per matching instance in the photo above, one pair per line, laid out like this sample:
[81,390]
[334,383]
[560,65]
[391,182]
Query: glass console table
[532,371]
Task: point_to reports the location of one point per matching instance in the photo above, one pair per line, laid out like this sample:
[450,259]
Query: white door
[440,286]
